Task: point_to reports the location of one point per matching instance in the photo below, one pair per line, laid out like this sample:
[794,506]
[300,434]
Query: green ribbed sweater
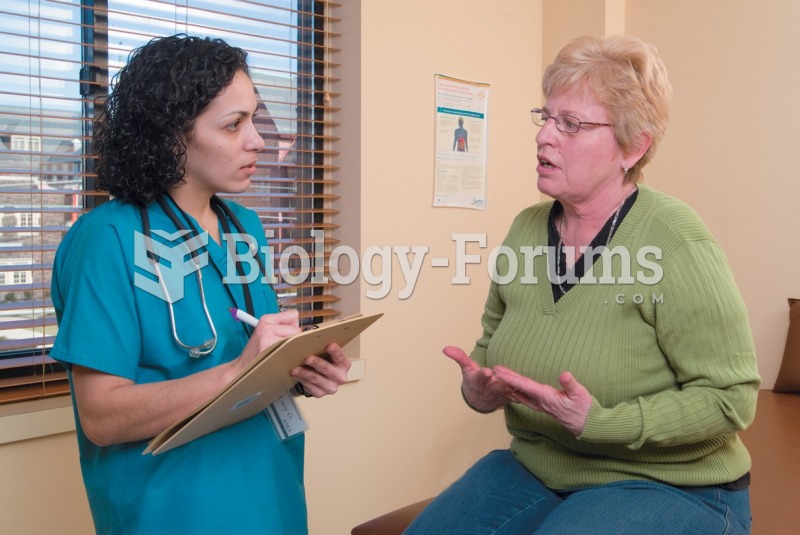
[670,364]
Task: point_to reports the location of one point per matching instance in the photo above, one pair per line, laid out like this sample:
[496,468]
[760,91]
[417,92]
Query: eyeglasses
[565,123]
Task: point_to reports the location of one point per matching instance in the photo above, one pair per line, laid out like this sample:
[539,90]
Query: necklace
[561,239]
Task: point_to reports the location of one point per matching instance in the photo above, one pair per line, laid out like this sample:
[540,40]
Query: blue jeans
[499,496]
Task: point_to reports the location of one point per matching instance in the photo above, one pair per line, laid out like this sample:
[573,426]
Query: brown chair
[392,523]
[774,441]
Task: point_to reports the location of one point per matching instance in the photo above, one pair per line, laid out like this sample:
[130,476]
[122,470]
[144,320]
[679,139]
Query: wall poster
[460,162]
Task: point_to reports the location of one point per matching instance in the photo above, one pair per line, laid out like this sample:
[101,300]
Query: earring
[625,169]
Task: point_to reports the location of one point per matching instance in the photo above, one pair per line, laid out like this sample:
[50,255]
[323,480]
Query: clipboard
[264,380]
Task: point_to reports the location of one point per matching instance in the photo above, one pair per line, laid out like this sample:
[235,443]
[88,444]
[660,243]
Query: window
[27,219]
[26,143]
[56,59]
[9,277]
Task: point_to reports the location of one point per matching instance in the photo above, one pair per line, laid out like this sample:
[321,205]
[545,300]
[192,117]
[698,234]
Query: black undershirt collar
[598,242]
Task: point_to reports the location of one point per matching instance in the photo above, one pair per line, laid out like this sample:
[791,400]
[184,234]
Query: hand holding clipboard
[264,380]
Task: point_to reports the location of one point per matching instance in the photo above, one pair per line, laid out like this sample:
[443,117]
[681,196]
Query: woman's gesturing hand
[481,389]
[568,406]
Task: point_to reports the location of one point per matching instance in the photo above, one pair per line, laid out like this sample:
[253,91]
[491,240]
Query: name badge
[286,418]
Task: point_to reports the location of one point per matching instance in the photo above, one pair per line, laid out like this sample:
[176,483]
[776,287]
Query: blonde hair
[626,75]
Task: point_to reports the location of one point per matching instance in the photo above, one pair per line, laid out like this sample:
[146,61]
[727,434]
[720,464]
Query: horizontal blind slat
[43,390]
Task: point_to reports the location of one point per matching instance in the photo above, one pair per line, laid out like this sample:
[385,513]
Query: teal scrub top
[240,479]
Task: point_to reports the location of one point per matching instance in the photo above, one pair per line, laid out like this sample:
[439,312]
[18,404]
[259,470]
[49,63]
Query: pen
[243,316]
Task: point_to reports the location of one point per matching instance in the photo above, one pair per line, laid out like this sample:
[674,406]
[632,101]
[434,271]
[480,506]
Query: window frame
[312,182]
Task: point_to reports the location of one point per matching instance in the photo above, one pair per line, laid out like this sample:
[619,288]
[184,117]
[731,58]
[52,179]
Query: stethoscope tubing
[225,214]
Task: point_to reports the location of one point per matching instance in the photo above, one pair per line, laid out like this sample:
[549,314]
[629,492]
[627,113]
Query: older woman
[625,377]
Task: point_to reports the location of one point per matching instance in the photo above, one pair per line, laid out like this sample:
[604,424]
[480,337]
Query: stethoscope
[224,214]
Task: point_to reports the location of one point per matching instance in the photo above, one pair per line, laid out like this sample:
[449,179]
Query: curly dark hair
[140,134]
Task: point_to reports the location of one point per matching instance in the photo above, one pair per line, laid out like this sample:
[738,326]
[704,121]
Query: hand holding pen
[318,376]
[267,330]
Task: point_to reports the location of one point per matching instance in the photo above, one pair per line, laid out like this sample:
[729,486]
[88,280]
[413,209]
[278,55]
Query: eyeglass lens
[565,123]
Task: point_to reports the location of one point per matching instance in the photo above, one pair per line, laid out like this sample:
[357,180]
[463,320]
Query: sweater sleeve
[703,330]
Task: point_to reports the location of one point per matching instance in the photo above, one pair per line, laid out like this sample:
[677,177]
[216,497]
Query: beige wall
[566,19]
[732,148]
[403,433]
[41,490]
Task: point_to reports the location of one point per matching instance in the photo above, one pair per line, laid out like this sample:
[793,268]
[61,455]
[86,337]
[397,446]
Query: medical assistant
[240,479]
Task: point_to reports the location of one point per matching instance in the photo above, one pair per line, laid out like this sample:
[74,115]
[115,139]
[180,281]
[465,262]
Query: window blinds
[56,60]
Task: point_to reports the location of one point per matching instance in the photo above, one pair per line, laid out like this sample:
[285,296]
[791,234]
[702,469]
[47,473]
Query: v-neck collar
[601,240]
[633,209]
